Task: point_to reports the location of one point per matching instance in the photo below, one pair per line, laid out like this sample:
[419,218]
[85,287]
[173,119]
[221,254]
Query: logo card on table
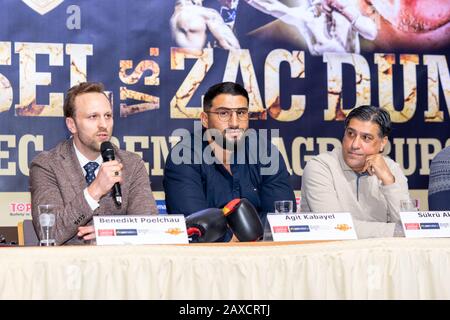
[426,224]
[311,226]
[160,229]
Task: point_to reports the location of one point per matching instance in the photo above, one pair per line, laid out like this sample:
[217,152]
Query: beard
[228,139]
[232,138]
[90,144]
[93,143]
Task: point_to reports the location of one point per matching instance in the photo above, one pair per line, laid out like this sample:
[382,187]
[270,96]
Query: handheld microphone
[243,220]
[107,151]
[207,225]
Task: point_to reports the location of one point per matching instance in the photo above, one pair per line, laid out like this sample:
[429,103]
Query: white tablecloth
[358,269]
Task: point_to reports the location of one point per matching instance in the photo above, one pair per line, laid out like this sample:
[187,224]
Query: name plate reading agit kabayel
[312,226]
[160,229]
[426,224]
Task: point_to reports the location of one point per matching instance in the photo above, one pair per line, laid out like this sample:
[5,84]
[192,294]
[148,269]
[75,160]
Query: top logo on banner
[43,6]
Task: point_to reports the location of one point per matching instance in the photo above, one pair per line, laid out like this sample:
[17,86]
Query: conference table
[389,268]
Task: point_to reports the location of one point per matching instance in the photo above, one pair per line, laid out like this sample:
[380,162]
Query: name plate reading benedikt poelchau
[426,224]
[312,226]
[161,229]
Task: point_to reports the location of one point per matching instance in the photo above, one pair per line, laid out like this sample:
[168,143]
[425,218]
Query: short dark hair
[232,88]
[76,90]
[376,115]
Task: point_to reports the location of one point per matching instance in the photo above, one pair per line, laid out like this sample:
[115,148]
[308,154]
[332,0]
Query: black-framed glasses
[225,114]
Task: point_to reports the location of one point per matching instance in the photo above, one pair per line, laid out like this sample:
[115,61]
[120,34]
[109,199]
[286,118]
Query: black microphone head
[211,223]
[107,151]
[244,220]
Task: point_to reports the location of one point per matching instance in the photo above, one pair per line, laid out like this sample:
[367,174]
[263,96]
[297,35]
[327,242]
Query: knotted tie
[228,14]
[90,168]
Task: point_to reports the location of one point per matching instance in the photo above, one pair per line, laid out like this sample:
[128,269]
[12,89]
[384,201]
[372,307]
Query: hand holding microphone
[109,176]
[107,150]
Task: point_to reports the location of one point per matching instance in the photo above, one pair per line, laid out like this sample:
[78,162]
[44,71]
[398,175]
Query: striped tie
[90,168]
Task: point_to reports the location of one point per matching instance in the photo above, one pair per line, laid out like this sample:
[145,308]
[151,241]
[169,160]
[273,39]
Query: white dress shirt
[83,161]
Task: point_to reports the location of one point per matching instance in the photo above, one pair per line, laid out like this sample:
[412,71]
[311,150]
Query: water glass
[283,206]
[409,205]
[47,219]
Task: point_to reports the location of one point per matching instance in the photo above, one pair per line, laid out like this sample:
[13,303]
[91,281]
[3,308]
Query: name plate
[311,226]
[426,224]
[161,229]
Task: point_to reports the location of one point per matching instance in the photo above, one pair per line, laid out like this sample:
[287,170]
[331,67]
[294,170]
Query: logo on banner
[42,6]
[174,231]
[20,209]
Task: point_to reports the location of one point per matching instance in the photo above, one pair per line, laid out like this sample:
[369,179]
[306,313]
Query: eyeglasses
[225,115]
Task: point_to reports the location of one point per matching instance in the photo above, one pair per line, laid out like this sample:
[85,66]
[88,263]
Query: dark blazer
[196,184]
[56,178]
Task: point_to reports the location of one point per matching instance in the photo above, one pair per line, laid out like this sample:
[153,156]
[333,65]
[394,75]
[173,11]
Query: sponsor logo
[412,226]
[174,231]
[281,229]
[126,232]
[343,227]
[299,228]
[429,225]
[106,232]
[42,6]
[19,207]
[444,225]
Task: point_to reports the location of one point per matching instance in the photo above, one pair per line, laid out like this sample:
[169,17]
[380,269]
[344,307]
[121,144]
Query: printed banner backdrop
[305,63]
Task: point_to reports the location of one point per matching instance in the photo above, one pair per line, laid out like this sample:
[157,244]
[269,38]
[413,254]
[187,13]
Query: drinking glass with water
[409,205]
[283,206]
[47,219]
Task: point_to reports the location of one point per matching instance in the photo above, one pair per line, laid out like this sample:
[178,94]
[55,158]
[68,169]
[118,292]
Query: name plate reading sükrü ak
[312,226]
[161,229]
[426,224]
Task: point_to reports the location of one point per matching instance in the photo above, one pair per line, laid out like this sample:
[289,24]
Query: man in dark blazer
[228,163]
[74,178]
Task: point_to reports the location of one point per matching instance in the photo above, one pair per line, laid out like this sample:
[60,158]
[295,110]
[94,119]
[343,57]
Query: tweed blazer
[56,177]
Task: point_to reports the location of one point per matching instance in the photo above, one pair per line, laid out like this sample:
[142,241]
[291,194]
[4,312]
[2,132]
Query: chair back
[26,234]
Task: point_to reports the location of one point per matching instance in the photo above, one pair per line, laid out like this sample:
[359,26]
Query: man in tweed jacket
[60,176]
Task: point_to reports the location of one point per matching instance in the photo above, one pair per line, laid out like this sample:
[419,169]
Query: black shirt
[190,187]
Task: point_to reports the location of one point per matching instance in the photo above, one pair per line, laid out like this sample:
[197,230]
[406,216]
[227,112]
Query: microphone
[243,220]
[107,151]
[207,225]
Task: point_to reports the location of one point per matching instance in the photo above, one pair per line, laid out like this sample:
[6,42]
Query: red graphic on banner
[412,226]
[282,229]
[106,232]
